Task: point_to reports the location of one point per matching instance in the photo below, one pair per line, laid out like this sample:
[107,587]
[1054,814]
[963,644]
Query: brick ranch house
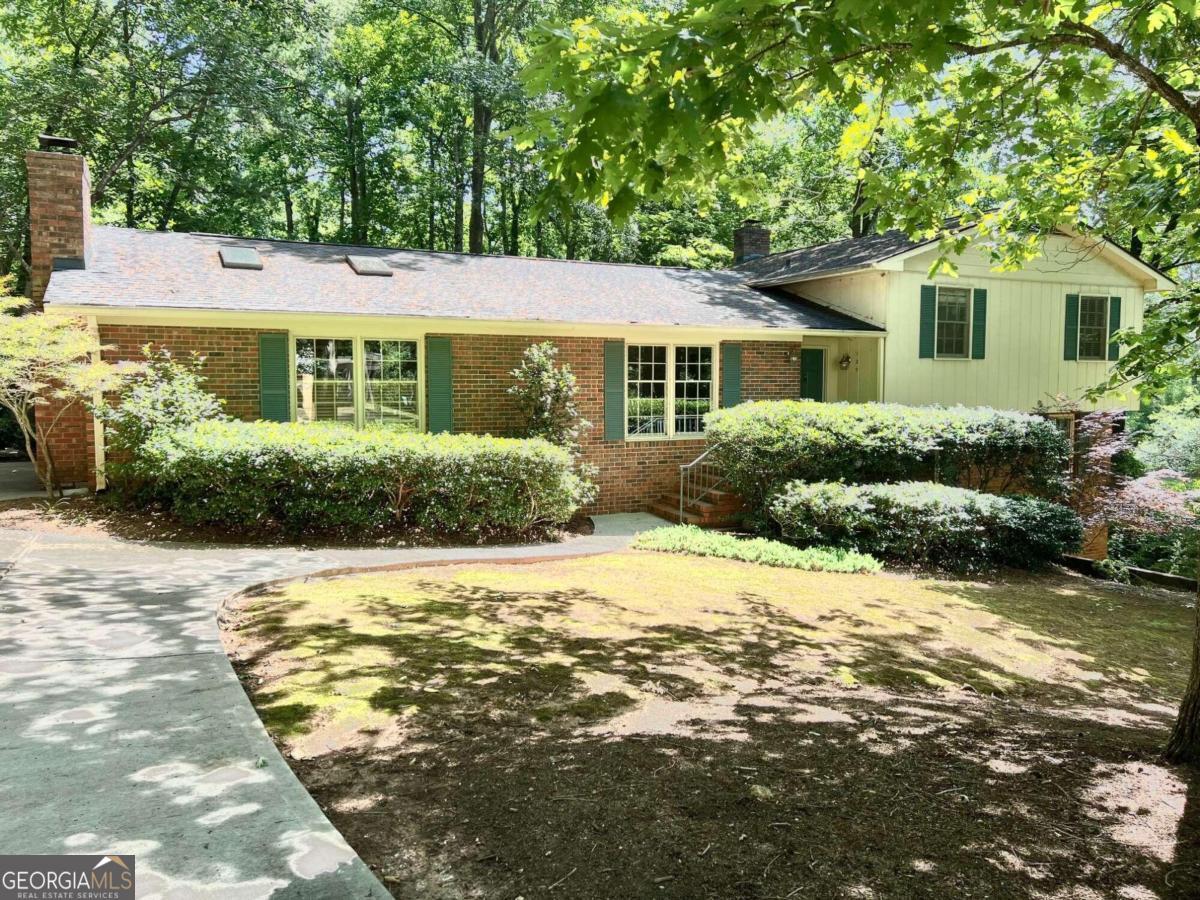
[425,341]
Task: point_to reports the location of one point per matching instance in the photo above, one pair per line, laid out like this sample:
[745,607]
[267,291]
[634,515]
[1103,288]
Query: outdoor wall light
[844,362]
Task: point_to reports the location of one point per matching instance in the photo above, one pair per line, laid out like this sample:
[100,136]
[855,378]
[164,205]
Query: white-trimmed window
[645,390]
[325,380]
[390,387]
[952,335]
[1093,327]
[668,389]
[693,388]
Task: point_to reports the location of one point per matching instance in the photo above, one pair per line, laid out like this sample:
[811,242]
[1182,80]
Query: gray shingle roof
[147,269]
[836,256]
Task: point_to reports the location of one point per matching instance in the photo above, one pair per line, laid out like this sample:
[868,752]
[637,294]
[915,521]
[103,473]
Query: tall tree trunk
[342,211]
[460,188]
[481,130]
[168,210]
[514,224]
[1184,743]
[503,223]
[130,101]
[431,180]
[289,212]
[356,168]
[313,221]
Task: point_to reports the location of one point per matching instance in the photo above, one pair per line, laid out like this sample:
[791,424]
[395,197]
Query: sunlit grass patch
[585,640]
[638,716]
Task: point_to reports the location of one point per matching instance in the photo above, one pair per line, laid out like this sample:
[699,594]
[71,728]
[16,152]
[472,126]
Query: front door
[812,375]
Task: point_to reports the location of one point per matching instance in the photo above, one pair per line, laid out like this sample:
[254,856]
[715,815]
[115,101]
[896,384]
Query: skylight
[369,265]
[240,258]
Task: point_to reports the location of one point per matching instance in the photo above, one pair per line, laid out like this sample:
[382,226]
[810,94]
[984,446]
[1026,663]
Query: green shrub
[311,478]
[1173,551]
[698,542]
[164,394]
[920,522]
[762,446]
[545,394]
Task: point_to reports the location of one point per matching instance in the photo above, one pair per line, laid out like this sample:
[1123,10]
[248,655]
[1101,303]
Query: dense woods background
[361,121]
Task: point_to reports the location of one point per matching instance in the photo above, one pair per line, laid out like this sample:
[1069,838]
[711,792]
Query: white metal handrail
[697,480]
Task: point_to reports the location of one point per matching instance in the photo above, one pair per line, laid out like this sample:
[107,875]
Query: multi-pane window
[693,388]
[668,389]
[325,380]
[646,390]
[390,386]
[953,322]
[1093,327]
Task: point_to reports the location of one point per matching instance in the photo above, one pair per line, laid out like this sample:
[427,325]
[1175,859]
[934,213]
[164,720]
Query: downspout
[98,458]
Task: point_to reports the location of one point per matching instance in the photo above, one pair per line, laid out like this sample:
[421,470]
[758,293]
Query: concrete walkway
[123,727]
[18,480]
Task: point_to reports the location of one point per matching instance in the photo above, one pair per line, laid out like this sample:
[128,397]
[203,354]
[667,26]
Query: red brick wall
[632,474]
[231,357]
[70,443]
[768,372]
[60,213]
[231,369]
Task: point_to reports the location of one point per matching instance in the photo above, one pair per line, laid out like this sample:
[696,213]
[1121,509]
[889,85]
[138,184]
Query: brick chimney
[751,241]
[60,211]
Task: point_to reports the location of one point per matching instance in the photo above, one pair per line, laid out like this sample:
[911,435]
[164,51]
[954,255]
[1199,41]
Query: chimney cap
[55,142]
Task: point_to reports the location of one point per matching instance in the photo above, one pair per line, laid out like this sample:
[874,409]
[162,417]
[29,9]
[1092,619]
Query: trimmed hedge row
[762,446]
[303,478]
[919,522]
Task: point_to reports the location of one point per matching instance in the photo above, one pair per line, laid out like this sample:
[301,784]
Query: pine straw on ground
[645,725]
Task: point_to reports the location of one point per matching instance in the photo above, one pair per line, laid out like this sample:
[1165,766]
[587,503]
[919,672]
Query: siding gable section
[1064,261]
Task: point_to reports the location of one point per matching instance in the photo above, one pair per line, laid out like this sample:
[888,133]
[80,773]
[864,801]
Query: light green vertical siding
[1027,333]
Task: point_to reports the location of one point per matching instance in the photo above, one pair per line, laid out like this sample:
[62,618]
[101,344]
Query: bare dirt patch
[641,725]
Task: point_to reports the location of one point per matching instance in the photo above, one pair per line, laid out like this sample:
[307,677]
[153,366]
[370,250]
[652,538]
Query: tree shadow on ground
[482,734]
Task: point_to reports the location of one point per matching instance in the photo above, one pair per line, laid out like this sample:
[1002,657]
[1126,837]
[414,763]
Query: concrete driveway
[123,727]
[19,480]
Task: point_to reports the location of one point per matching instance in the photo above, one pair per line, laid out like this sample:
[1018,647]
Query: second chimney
[60,211]
[750,241]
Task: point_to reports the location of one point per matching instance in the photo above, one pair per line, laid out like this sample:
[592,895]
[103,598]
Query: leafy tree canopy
[1009,118]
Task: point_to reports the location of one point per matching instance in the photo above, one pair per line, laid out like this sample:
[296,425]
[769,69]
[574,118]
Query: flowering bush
[545,393]
[918,522]
[311,478]
[761,446]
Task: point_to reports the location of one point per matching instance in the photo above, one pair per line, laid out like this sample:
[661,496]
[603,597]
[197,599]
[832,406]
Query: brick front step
[719,513]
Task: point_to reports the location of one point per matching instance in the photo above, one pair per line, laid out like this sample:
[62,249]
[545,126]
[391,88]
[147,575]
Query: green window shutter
[928,321]
[439,377]
[1071,332]
[273,387]
[979,324]
[731,374]
[1114,325]
[614,390]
